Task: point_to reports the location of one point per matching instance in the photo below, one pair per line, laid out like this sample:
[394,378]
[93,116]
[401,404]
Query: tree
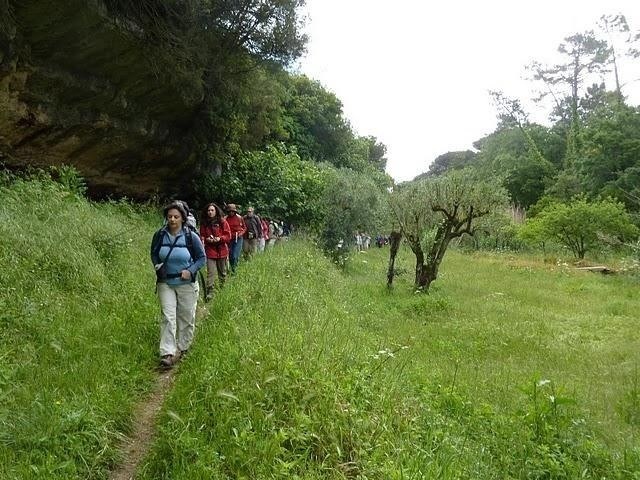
[432,212]
[580,225]
[447,162]
[586,56]
[610,163]
[275,181]
[376,152]
[315,122]
[510,155]
[352,201]
[621,42]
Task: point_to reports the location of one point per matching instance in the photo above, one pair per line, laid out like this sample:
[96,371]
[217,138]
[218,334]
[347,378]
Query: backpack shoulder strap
[189,242]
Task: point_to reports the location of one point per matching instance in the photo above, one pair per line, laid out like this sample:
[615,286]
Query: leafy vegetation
[580,225]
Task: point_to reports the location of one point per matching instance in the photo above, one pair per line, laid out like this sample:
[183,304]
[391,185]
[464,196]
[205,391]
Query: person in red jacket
[238,227]
[215,234]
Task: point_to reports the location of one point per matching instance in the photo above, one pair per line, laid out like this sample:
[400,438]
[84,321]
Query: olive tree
[432,212]
[351,202]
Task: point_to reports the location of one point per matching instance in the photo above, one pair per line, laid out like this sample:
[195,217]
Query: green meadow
[510,368]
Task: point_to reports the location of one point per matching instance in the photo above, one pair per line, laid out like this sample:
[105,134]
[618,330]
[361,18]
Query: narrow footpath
[135,447]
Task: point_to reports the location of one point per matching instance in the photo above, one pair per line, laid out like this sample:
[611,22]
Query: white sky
[416,73]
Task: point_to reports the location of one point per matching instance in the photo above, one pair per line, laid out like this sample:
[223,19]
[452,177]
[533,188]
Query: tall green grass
[508,369]
[78,328]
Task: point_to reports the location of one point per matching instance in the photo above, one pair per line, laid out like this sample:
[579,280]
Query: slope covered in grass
[503,371]
[78,329]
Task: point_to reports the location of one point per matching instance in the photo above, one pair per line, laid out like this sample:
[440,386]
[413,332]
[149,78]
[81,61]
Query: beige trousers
[178,322]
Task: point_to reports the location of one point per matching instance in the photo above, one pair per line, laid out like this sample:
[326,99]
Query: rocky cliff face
[81,88]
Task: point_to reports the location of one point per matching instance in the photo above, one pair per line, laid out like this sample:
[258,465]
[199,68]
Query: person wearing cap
[238,228]
[253,232]
[177,254]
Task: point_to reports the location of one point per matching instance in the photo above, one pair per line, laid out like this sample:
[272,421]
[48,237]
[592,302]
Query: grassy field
[509,368]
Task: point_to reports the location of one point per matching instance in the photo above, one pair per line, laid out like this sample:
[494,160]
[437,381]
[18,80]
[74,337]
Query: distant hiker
[358,239]
[273,232]
[177,255]
[366,241]
[237,226]
[216,234]
[253,233]
[262,241]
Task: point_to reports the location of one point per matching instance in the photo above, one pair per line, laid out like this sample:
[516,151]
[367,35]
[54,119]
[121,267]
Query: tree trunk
[394,242]
[426,274]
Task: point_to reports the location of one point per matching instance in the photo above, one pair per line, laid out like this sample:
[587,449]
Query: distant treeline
[592,145]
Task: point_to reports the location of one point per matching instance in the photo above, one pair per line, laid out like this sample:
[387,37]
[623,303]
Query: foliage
[526,159]
[269,30]
[495,231]
[580,224]
[275,181]
[430,213]
[610,165]
[351,202]
[447,162]
[70,178]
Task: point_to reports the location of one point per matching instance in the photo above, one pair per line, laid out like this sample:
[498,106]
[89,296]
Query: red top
[265,229]
[220,248]
[237,226]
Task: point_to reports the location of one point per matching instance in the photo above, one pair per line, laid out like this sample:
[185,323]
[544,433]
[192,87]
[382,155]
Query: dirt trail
[137,446]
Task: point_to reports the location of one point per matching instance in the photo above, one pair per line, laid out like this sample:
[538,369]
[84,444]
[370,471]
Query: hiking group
[179,250]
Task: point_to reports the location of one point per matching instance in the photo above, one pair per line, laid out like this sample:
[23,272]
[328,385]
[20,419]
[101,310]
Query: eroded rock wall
[81,88]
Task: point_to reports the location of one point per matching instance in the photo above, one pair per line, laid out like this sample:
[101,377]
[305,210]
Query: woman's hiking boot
[168,361]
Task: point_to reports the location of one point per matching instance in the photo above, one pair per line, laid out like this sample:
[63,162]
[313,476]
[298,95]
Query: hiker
[237,226]
[358,239]
[253,232]
[215,234]
[264,240]
[273,232]
[177,255]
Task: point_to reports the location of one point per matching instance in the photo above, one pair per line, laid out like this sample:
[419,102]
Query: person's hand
[211,238]
[216,239]
[185,275]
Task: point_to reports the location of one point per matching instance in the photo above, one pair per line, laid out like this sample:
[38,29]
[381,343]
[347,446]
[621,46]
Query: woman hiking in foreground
[177,255]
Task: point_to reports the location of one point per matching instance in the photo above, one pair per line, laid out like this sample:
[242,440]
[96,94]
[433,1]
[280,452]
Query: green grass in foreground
[508,369]
[78,330]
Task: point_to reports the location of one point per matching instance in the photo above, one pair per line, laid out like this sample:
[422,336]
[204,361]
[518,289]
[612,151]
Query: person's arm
[154,250]
[198,252]
[225,235]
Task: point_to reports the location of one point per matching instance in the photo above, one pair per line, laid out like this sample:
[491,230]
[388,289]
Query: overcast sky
[415,74]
